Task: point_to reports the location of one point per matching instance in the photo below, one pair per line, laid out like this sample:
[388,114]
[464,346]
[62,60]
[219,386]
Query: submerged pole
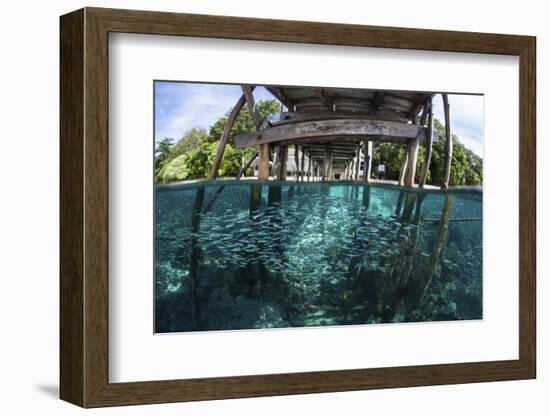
[195,256]
[438,246]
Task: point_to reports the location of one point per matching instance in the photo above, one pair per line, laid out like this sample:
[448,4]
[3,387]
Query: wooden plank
[289,117]
[225,135]
[429,147]
[351,129]
[448,143]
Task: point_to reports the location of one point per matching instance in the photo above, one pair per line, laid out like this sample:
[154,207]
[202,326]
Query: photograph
[297,206]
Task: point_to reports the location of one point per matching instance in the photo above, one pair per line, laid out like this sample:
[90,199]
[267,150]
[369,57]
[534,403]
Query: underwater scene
[233,255]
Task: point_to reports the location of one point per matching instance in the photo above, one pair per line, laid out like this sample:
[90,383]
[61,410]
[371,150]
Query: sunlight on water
[242,255]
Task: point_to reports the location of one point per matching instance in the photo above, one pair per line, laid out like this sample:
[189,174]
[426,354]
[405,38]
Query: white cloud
[466,113]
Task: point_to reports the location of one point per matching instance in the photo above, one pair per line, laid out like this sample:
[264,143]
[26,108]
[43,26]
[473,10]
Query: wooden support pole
[195,255]
[263,165]
[331,165]
[296,163]
[225,135]
[282,157]
[404,164]
[429,147]
[302,168]
[309,166]
[410,170]
[448,143]
[357,161]
[367,151]
[325,163]
[263,149]
[247,92]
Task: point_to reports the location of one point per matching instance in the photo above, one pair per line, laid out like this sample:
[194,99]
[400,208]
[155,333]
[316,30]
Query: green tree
[162,152]
[244,122]
[466,166]
[390,155]
[193,155]
[191,140]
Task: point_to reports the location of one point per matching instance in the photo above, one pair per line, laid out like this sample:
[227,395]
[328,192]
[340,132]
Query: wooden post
[410,170]
[309,166]
[404,164]
[263,149]
[448,143]
[357,161]
[282,156]
[367,151]
[429,146]
[330,165]
[302,159]
[325,163]
[247,92]
[263,165]
[225,135]
[296,163]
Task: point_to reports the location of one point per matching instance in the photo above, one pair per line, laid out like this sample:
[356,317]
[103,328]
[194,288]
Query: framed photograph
[255,207]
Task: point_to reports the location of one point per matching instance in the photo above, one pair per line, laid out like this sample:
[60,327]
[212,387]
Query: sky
[181,106]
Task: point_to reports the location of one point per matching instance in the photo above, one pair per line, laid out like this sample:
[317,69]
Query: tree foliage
[192,156]
[466,166]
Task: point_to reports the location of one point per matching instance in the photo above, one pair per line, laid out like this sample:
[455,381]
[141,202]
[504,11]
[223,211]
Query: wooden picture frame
[84,207]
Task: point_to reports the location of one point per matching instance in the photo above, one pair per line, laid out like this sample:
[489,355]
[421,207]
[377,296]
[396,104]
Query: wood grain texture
[344,130]
[84,207]
[71,214]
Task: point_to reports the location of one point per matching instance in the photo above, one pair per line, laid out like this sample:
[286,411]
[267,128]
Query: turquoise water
[246,255]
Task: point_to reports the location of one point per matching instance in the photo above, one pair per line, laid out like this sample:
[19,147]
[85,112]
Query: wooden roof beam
[327,130]
[251,104]
[280,95]
[322,94]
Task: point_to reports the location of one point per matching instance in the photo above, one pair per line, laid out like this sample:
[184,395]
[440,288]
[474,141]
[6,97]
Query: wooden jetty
[332,131]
